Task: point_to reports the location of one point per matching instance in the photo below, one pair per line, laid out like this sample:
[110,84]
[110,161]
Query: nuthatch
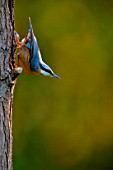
[30,57]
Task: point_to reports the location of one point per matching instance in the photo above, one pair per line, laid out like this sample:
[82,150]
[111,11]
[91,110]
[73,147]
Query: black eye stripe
[48,71]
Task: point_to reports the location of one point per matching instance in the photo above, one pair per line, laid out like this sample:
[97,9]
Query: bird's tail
[30,32]
[30,25]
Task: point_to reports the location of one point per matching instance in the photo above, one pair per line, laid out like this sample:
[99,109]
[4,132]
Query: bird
[29,56]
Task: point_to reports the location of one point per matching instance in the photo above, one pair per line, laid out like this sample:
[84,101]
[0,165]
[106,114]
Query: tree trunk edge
[7,64]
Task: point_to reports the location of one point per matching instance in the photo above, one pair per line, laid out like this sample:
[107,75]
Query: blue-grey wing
[33,47]
[34,56]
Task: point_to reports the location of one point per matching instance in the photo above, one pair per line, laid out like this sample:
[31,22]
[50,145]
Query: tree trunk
[7,49]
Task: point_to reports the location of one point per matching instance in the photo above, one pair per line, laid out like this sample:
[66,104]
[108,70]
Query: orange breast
[24,61]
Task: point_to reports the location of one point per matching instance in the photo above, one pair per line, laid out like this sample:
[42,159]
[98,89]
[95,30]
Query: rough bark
[7,49]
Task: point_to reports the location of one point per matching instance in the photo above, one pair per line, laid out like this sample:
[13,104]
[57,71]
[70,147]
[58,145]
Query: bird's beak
[54,75]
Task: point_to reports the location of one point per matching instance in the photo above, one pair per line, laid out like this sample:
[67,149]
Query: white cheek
[44,73]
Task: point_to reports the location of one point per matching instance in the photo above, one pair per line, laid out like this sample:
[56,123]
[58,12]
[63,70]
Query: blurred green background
[66,124]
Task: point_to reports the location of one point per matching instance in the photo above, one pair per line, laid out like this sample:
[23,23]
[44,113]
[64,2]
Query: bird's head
[47,71]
